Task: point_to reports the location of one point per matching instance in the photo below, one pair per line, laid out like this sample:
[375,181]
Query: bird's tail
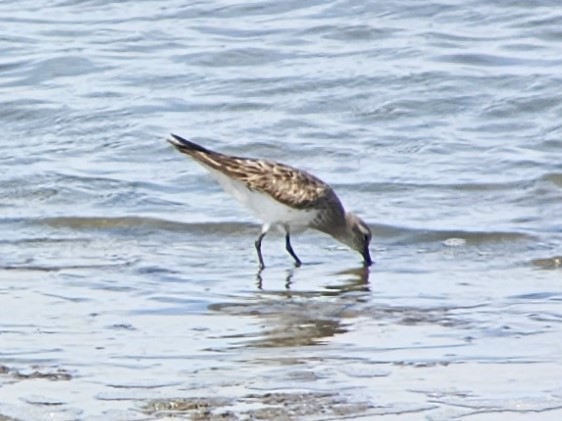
[185,146]
[203,155]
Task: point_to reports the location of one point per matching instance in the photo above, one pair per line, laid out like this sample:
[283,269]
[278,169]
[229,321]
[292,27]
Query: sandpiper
[283,197]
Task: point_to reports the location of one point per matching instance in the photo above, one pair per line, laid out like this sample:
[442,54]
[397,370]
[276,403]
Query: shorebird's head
[357,235]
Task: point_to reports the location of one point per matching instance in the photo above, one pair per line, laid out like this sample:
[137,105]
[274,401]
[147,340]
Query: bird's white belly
[270,211]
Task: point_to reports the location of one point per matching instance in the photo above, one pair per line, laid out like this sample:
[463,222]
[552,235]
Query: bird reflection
[288,281]
[300,317]
[356,279]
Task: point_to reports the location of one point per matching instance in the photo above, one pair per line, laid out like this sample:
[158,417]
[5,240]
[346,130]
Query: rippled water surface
[128,284]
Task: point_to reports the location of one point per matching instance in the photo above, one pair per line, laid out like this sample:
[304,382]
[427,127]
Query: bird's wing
[287,185]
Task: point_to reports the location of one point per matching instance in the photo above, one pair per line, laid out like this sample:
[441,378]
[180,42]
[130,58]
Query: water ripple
[438,122]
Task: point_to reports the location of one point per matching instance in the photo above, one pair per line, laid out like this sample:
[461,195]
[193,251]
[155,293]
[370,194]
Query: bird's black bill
[367,257]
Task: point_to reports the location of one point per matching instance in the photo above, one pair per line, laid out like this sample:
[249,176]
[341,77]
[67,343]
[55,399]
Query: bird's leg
[289,248]
[258,248]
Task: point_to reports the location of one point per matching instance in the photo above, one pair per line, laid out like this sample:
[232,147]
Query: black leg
[258,249]
[259,279]
[289,248]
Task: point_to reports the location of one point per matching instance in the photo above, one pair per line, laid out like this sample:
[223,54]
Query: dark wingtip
[185,145]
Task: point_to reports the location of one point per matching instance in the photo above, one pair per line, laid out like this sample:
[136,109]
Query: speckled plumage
[281,196]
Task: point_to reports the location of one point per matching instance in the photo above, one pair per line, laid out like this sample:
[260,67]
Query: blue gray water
[128,282]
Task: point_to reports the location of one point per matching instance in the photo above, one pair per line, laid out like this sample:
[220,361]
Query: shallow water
[128,281]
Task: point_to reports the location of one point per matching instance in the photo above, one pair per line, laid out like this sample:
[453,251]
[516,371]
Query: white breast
[269,210]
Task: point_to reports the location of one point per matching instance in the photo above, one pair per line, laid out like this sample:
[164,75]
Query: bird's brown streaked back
[289,186]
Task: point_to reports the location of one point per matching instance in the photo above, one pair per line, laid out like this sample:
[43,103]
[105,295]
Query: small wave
[554,178]
[494,60]
[554,262]
[418,235]
[393,233]
[144,223]
[58,268]
[478,187]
